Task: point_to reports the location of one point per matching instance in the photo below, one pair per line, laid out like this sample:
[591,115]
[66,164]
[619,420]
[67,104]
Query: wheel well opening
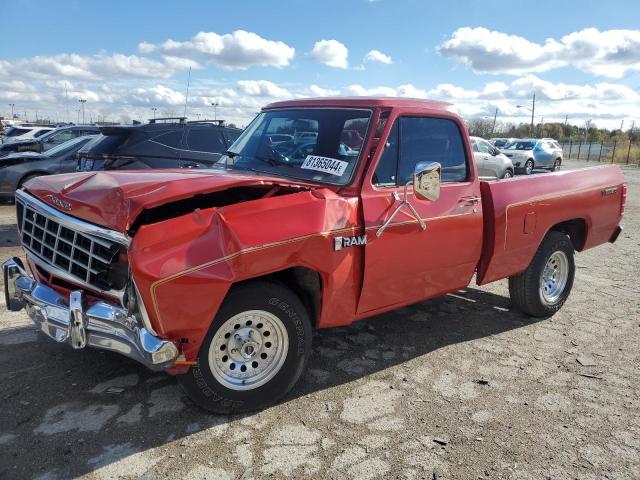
[576,229]
[304,282]
[29,176]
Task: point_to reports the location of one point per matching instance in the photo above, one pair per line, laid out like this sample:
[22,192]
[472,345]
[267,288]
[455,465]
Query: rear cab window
[413,140]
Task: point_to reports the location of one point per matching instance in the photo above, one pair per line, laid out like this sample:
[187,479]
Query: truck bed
[585,203]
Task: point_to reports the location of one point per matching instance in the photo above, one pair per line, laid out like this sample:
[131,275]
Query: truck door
[406,264]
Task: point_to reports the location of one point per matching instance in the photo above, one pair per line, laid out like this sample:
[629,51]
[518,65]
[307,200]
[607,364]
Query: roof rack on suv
[219,122]
[166,119]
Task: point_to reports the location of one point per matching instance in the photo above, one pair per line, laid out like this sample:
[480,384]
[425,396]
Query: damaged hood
[114,199]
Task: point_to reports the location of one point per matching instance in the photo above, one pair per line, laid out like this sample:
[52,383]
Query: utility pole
[564,130]
[82,102]
[215,110]
[495,117]
[154,112]
[533,111]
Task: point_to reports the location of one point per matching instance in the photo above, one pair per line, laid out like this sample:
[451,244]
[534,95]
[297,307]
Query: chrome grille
[76,254]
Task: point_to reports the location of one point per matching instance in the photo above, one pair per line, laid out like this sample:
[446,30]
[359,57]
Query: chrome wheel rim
[528,166]
[248,350]
[507,174]
[553,279]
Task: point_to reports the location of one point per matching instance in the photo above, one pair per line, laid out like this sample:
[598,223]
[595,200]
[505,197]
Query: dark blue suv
[161,143]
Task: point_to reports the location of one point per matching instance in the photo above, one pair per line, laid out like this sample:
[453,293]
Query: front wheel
[528,167]
[542,289]
[254,352]
[556,165]
[507,174]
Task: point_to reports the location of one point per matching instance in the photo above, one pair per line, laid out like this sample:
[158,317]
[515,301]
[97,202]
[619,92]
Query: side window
[231,136]
[386,171]
[424,139]
[474,143]
[206,140]
[61,137]
[169,139]
[484,147]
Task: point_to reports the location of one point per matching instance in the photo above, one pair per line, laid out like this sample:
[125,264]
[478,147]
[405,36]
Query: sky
[582,59]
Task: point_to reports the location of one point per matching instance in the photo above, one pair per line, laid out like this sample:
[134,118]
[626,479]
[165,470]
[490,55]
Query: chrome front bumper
[67,320]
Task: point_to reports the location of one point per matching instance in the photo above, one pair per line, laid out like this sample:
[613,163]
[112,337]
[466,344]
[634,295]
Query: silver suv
[491,162]
[529,153]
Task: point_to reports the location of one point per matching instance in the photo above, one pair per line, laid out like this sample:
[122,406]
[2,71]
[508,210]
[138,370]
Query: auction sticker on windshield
[328,165]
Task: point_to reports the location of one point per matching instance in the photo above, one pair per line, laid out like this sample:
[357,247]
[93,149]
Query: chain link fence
[623,152]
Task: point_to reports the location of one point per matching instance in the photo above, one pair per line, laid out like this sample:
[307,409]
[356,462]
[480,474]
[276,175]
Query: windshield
[315,144]
[519,146]
[15,131]
[66,147]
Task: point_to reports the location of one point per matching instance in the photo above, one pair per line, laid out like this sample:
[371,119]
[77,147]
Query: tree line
[588,132]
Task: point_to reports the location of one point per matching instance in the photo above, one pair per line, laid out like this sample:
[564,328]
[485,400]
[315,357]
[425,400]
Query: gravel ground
[461,387]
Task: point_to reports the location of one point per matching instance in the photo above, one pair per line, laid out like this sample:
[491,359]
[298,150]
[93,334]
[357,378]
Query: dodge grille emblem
[59,202]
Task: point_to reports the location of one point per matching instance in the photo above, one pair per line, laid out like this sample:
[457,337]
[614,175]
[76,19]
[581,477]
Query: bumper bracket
[71,320]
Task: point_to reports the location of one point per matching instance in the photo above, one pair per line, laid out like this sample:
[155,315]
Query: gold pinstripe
[231,256]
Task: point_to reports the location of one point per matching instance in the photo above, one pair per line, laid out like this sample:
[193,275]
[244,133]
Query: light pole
[532,110]
[154,112]
[12,105]
[82,102]
[215,110]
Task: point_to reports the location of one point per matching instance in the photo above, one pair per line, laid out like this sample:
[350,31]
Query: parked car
[490,161]
[500,142]
[529,153]
[20,133]
[18,168]
[48,139]
[173,144]
[220,276]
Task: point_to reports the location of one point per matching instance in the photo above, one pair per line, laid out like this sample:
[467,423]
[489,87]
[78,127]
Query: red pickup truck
[219,276]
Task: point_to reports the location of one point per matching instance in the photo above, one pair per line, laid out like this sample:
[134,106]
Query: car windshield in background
[519,146]
[15,131]
[67,146]
[315,144]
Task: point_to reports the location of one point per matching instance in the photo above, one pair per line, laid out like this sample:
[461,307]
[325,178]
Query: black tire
[556,165]
[525,288]
[209,393]
[508,173]
[528,167]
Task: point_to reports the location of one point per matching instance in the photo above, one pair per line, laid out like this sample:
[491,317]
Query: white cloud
[377,56]
[262,88]
[160,94]
[238,101]
[316,91]
[331,53]
[100,66]
[238,50]
[610,53]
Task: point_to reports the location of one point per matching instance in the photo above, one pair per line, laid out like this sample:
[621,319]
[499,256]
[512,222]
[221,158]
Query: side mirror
[426,181]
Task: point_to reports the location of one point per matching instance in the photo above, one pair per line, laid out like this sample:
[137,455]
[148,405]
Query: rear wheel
[542,289]
[255,351]
[528,167]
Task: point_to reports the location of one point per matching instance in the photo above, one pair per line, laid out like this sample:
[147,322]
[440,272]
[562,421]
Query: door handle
[470,200]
